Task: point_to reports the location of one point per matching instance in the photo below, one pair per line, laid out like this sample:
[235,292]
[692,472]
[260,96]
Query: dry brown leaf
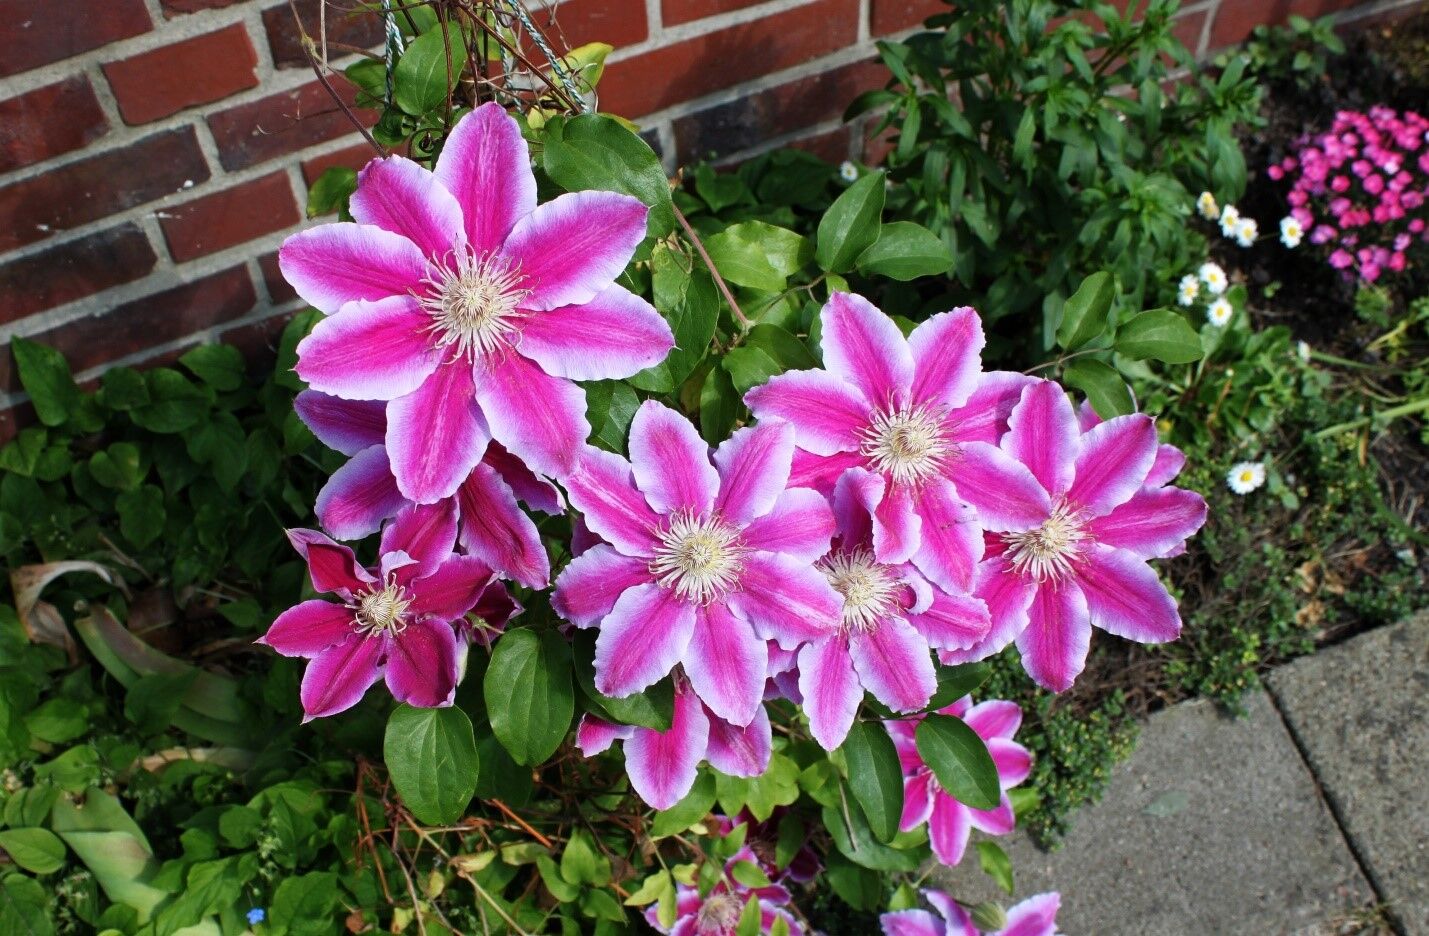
[42,621]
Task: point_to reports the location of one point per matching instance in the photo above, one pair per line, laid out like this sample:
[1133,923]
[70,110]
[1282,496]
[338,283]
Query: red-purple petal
[663,765]
[1006,495]
[334,264]
[947,357]
[726,664]
[951,538]
[740,752]
[670,461]
[333,567]
[984,417]
[865,347]
[786,600]
[359,495]
[1042,433]
[1155,521]
[641,639]
[830,688]
[337,678]
[436,435]
[588,587]
[309,628]
[953,622]
[1058,634]
[346,426]
[613,336]
[827,413]
[422,664]
[369,350]
[1115,459]
[753,467]
[486,166]
[573,247]
[538,418]
[602,488]
[494,528]
[1125,597]
[893,663]
[800,525]
[397,195]
[948,829]
[452,589]
[426,532]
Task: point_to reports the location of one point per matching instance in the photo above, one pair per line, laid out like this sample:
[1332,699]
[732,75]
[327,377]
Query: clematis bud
[989,916]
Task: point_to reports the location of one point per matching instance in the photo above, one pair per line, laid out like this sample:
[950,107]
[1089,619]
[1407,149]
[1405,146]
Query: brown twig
[744,322]
[309,50]
[522,823]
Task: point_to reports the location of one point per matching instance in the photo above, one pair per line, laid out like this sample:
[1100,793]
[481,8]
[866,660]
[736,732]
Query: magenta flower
[662,765]
[363,492]
[917,413]
[762,838]
[469,309]
[394,620]
[950,823]
[891,617]
[718,912]
[1035,916]
[702,561]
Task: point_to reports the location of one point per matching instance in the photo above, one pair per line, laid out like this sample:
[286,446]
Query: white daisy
[1246,231]
[1230,217]
[1245,477]
[1219,313]
[1206,205]
[1214,277]
[848,171]
[1291,232]
[1188,290]
[1302,351]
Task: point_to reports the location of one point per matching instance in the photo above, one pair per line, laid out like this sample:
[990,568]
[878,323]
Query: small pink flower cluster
[718,911]
[1361,189]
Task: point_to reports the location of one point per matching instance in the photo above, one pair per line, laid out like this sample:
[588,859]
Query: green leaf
[1106,390]
[694,807]
[650,889]
[529,695]
[954,682]
[420,77]
[141,514]
[852,836]
[123,388]
[220,366]
[856,886]
[688,300]
[46,377]
[851,225]
[719,406]
[758,255]
[304,905]
[905,251]
[995,864]
[767,350]
[331,191]
[1161,335]
[777,786]
[959,760]
[175,403]
[749,874]
[875,777]
[561,889]
[431,756]
[39,851]
[582,864]
[751,920]
[594,151]
[58,721]
[610,407]
[1085,312]
[153,700]
[120,467]
[652,708]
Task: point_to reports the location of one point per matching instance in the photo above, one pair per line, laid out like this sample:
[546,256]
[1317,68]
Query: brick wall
[154,153]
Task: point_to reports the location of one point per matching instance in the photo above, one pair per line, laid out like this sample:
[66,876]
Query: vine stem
[1394,412]
[310,50]
[745,323]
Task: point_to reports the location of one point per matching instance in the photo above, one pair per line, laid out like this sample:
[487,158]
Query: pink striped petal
[1035,916]
[663,765]
[494,528]
[726,664]
[785,600]
[958,921]
[857,494]
[422,664]
[1013,761]
[436,435]
[425,532]
[897,528]
[999,821]
[486,166]
[602,488]
[947,357]
[359,496]
[740,752]
[670,461]
[1007,596]
[641,639]
[820,472]
[951,537]
[893,663]
[1169,462]
[994,719]
[596,735]
[800,525]
[753,469]
[452,589]
[1059,632]
[573,247]
[918,792]
[948,829]
[1115,459]
[613,336]
[337,678]
[911,923]
[538,418]
[1151,524]
[1126,598]
[535,491]
[334,264]
[903,731]
[333,567]
[830,688]
[1005,494]
[953,622]
[1042,433]
[827,413]
[984,417]
[588,587]
[369,351]
[309,628]
[397,195]
[346,426]
[864,347]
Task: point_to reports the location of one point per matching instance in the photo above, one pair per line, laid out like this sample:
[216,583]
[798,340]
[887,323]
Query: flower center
[474,303]
[718,915]
[1048,551]
[381,612]
[910,444]
[699,557]
[869,589]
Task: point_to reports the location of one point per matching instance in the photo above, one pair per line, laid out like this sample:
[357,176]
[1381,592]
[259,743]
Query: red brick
[98,186]
[170,78]
[891,16]
[749,121]
[1236,18]
[347,25]
[573,23]
[174,8]
[281,124]
[153,320]
[48,121]
[35,34]
[351,157]
[674,12]
[698,66]
[830,146]
[279,292]
[258,340]
[234,216]
[74,270]
[1187,29]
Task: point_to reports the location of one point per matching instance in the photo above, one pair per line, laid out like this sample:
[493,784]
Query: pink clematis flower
[394,620]
[950,823]
[662,765]
[762,838]
[891,617]
[1035,916]
[702,562]
[1083,562]
[917,413]
[363,492]
[718,912]
[469,309]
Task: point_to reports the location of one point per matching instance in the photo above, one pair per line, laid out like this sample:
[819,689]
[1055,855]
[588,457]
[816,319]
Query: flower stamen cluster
[382,612]
[699,557]
[869,588]
[474,303]
[908,443]
[1048,552]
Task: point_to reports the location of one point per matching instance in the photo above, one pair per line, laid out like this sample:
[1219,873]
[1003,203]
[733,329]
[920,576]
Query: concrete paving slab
[1214,827]
[1361,713]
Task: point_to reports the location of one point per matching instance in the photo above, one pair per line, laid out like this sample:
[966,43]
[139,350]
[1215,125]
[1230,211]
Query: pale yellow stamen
[1050,550]
[383,612]
[699,557]
[474,303]
[869,589]
[909,444]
